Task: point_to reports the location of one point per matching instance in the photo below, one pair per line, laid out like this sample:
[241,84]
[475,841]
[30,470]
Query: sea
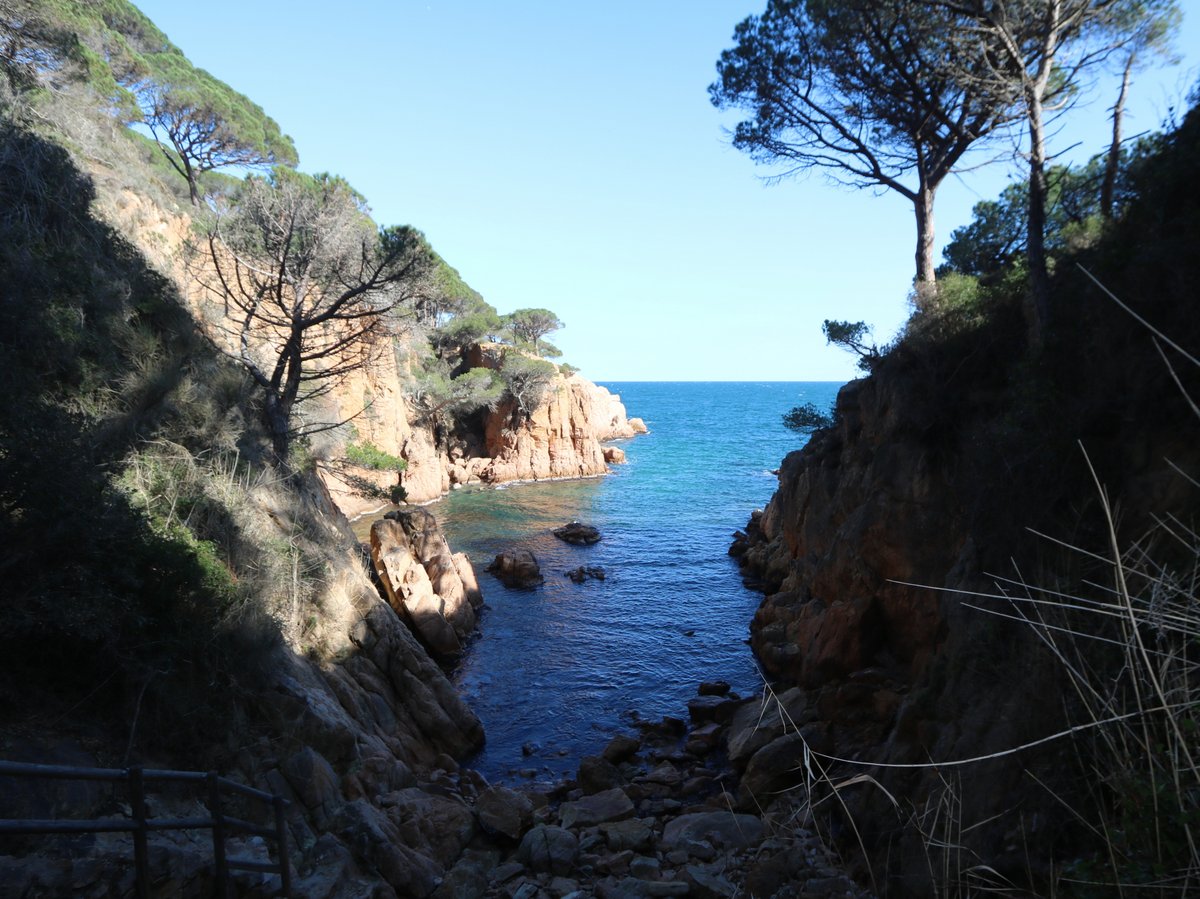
[557,670]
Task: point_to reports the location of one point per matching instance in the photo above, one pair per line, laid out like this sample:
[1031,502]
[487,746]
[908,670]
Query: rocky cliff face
[563,438]
[882,557]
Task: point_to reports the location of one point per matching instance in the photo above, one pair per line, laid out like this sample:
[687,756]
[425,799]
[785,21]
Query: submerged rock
[578,534]
[583,572]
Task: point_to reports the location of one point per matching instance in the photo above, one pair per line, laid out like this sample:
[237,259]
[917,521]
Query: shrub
[367,455]
[807,418]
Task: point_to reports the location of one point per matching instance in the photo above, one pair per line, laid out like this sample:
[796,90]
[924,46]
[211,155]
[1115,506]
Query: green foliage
[442,399]
[205,122]
[806,418]
[995,240]
[526,380]
[830,87]
[529,326]
[471,322]
[445,295]
[201,122]
[852,336]
[367,455]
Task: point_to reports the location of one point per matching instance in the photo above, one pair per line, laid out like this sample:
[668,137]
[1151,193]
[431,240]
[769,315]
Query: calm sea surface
[556,671]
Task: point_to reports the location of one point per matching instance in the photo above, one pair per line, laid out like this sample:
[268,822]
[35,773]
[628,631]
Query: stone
[666,888]
[635,834]
[708,884]
[645,868]
[437,826]
[378,841]
[409,589]
[609,805]
[578,534]
[757,723]
[721,709]
[614,455]
[638,426]
[518,568]
[728,829]
[622,748]
[466,571]
[779,765]
[664,773]
[583,572]
[597,774]
[526,890]
[470,876]
[315,782]
[504,812]
[563,886]
[714,688]
[549,848]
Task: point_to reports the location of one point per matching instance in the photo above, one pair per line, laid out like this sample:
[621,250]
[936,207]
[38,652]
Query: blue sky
[566,155]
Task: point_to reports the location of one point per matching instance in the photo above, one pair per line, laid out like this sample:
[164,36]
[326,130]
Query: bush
[807,418]
[367,455]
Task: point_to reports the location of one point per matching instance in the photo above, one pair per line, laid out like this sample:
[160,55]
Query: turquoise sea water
[557,670]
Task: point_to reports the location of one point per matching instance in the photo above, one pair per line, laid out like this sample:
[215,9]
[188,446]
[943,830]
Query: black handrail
[141,824]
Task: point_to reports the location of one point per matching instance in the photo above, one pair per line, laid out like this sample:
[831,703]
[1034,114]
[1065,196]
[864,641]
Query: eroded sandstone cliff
[563,438]
[885,556]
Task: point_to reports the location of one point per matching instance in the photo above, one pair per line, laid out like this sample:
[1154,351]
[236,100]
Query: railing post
[218,835]
[281,844]
[141,852]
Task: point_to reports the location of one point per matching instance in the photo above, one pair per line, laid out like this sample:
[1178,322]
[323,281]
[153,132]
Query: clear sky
[566,155]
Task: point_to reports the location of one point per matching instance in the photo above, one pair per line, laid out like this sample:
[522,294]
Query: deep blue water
[561,668]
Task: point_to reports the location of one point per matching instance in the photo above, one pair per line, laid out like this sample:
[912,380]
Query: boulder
[504,812]
[609,805]
[757,723]
[578,534]
[410,591]
[635,834]
[614,455]
[518,568]
[597,774]
[638,426]
[549,848]
[727,829]
[780,765]
[621,748]
[315,782]
[713,708]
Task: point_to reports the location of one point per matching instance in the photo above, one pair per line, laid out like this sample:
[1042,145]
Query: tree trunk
[1113,164]
[1039,276]
[275,417]
[926,286]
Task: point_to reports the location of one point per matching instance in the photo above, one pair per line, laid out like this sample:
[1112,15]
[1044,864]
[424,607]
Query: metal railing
[140,824]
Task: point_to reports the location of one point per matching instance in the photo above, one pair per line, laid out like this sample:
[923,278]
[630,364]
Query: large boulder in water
[518,568]
[578,534]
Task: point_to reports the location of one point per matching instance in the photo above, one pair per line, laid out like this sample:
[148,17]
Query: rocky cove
[969,598]
[367,741]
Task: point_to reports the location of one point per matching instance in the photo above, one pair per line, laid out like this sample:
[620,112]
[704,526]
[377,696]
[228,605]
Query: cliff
[912,598]
[563,438]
